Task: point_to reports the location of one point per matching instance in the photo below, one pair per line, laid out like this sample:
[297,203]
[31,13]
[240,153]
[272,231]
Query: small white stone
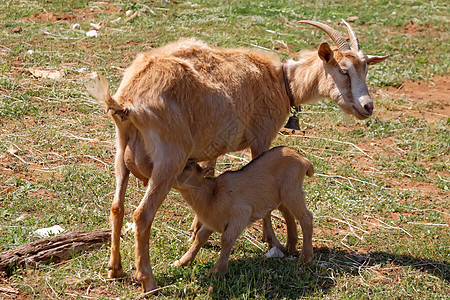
[116,20]
[46,232]
[30,52]
[274,252]
[95,26]
[91,33]
[76,26]
[129,227]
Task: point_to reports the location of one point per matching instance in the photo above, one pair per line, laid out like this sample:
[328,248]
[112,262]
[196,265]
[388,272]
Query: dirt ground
[435,95]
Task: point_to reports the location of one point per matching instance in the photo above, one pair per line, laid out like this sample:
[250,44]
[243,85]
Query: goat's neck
[306,77]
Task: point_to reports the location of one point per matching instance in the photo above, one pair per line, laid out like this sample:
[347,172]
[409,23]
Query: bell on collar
[293,123]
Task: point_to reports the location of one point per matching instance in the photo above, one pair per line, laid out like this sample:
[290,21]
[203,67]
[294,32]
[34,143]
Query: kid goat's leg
[292,233]
[117,212]
[295,202]
[268,233]
[228,239]
[201,237]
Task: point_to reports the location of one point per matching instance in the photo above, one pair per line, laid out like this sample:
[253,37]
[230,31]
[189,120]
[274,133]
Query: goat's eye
[343,72]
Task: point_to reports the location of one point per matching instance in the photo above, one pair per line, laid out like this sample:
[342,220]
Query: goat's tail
[98,88]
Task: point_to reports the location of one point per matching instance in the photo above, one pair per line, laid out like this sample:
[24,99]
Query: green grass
[380,196]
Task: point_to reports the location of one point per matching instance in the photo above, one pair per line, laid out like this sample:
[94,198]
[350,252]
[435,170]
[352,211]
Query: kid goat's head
[345,71]
[192,175]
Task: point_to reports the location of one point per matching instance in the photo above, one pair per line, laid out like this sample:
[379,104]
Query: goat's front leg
[201,238]
[210,165]
[269,235]
[228,239]
[117,213]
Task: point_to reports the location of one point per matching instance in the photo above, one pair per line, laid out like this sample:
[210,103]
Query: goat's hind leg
[200,240]
[297,206]
[292,233]
[165,169]
[116,218]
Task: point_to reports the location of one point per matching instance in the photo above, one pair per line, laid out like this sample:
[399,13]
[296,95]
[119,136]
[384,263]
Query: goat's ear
[325,53]
[372,60]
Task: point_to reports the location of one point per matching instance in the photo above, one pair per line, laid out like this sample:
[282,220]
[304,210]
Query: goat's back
[218,100]
[273,169]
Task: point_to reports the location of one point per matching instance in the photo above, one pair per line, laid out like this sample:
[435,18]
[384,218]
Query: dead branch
[52,249]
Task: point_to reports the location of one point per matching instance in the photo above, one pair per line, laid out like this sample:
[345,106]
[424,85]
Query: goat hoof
[290,249]
[148,283]
[218,271]
[307,257]
[115,273]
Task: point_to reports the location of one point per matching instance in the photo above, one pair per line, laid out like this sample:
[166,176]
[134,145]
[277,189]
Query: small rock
[129,227]
[46,74]
[76,26]
[116,20]
[274,252]
[92,33]
[95,26]
[46,232]
[16,30]
[352,19]
[12,149]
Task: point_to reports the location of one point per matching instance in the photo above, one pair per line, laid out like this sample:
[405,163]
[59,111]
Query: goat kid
[187,100]
[232,201]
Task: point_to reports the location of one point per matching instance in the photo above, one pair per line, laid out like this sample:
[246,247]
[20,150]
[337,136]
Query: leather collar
[287,86]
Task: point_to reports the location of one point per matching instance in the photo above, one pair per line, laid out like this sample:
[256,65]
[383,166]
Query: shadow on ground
[258,277]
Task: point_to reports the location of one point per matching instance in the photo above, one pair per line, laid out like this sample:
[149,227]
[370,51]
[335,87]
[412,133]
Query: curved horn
[353,38]
[337,38]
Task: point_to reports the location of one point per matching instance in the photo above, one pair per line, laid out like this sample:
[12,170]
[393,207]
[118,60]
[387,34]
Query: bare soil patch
[49,17]
[434,95]
[77,15]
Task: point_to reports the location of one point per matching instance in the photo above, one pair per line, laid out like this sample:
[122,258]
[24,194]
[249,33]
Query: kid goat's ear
[325,53]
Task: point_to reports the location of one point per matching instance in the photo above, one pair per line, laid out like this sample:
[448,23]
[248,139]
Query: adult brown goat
[188,100]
